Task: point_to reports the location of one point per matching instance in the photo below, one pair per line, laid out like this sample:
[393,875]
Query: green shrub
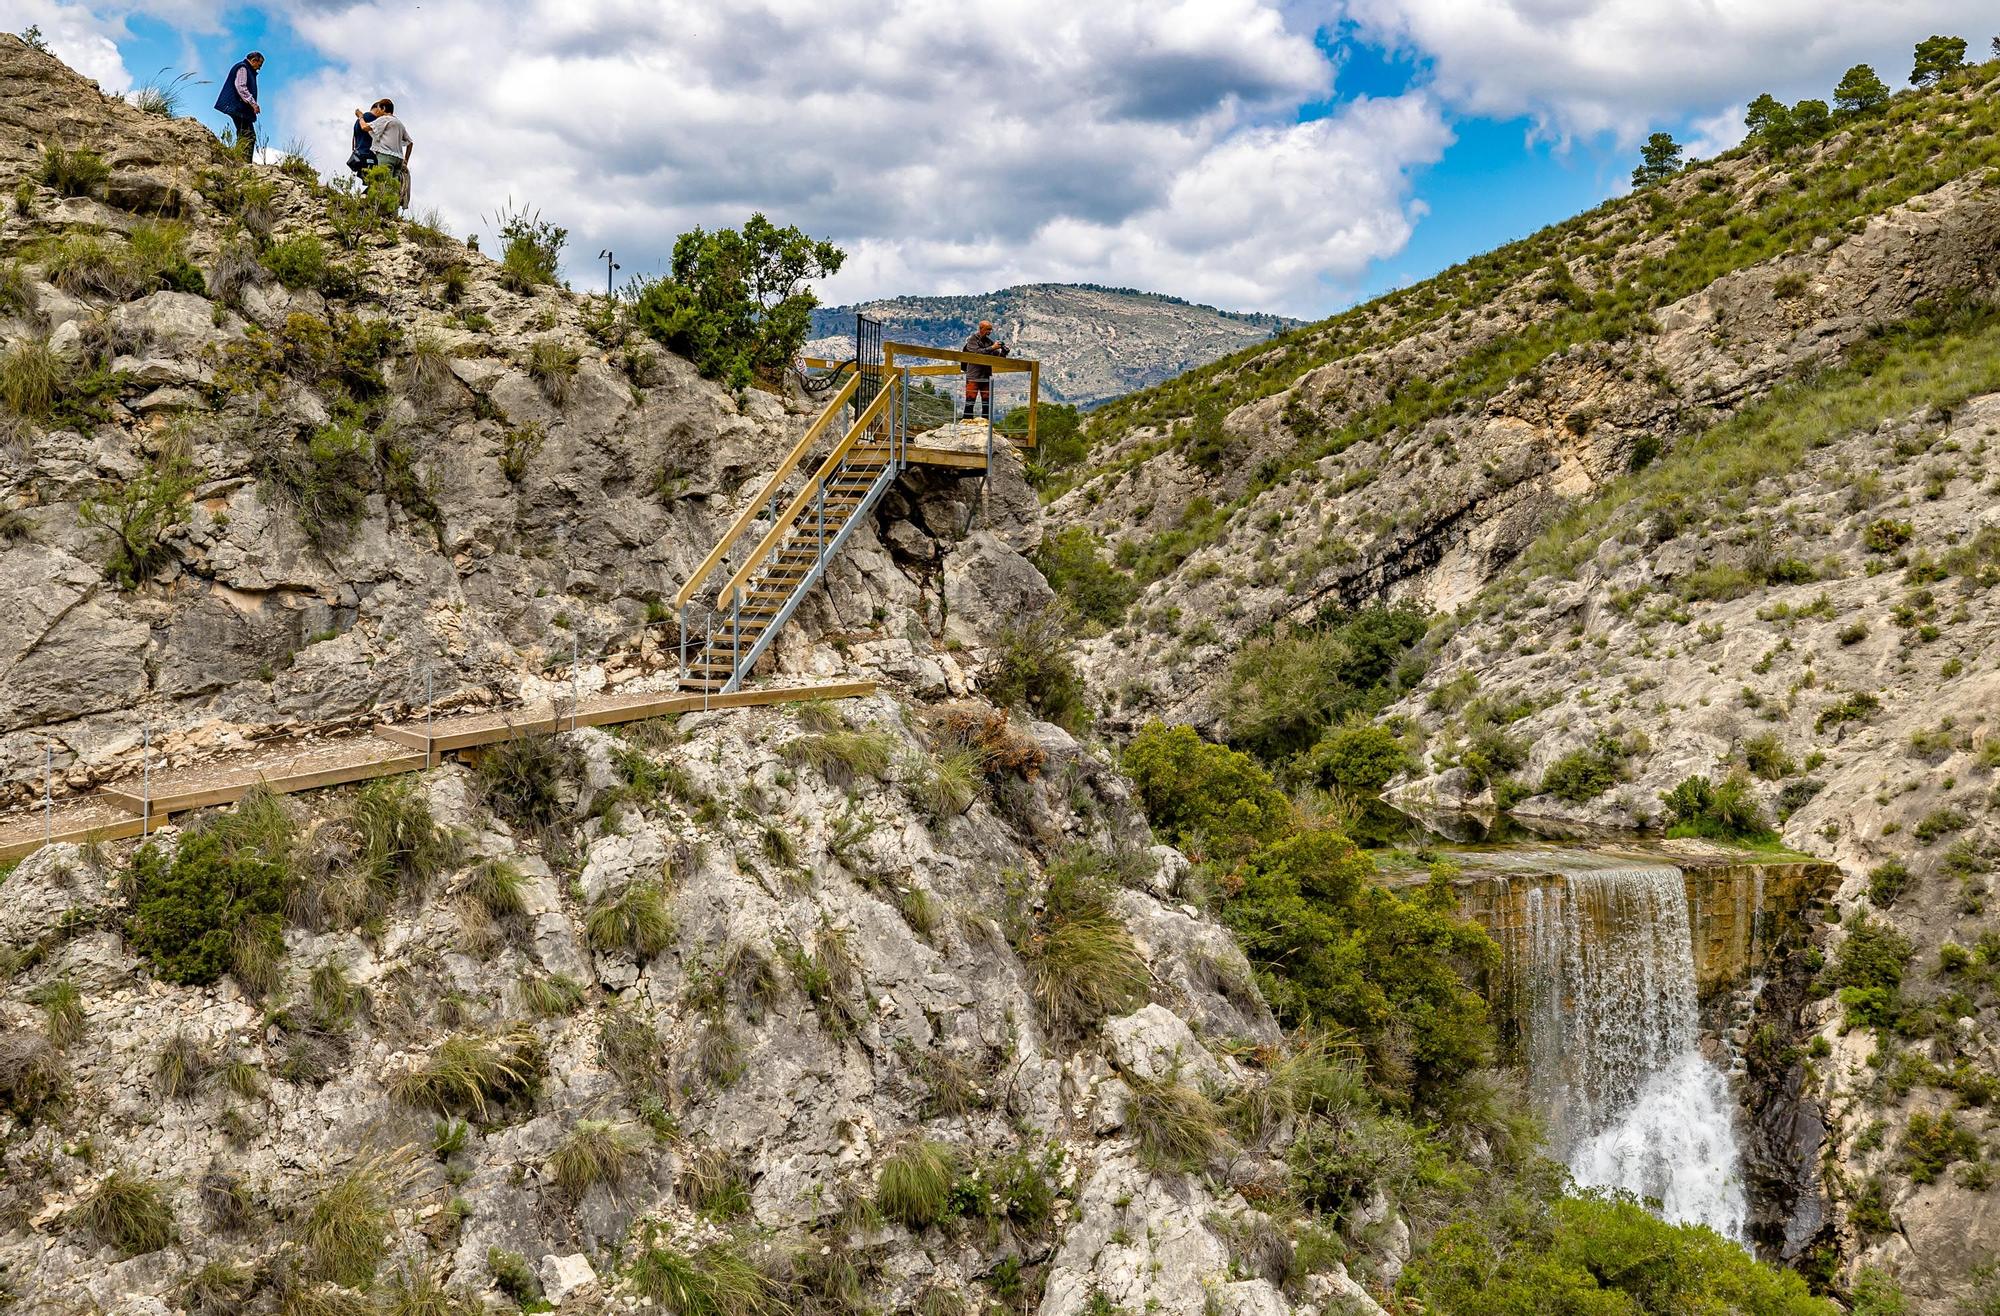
[1932,1143]
[736,303]
[326,480]
[1204,797]
[1724,811]
[72,172]
[1034,667]
[1765,756]
[1073,562]
[125,1212]
[1334,947]
[513,1276]
[1592,1255]
[137,515]
[300,262]
[1359,757]
[1868,971]
[1283,693]
[17,293]
[1886,881]
[224,886]
[1582,774]
[914,1184]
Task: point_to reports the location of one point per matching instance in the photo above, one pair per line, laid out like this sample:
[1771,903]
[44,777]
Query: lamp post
[611,267]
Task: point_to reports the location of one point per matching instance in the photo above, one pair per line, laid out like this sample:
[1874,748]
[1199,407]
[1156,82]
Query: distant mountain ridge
[1095,342]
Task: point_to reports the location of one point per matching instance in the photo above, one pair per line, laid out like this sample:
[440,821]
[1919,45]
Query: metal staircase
[721,640]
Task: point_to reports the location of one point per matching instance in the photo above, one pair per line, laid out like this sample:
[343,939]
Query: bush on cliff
[218,899]
[736,302]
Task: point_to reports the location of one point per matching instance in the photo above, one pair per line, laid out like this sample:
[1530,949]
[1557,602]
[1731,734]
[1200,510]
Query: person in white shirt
[393,143]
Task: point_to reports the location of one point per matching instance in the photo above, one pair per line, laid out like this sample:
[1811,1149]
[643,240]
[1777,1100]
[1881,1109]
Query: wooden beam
[1006,365]
[954,457]
[21,848]
[228,792]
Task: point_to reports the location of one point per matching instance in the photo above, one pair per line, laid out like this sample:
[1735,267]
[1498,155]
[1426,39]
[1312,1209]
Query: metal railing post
[684,643]
[736,644]
[145,781]
[707,656]
[48,792]
[575,681]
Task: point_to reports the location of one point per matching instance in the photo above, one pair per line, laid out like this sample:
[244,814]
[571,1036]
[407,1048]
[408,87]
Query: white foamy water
[1605,990]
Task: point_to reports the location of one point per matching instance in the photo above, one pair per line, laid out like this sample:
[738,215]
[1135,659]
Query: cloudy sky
[1257,154]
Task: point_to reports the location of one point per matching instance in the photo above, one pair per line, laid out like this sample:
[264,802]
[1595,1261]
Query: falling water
[1604,971]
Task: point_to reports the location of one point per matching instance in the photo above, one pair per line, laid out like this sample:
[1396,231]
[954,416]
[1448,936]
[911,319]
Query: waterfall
[1603,975]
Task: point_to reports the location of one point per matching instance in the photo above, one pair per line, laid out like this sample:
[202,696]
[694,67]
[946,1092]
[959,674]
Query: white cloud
[948,147]
[1589,67]
[79,37]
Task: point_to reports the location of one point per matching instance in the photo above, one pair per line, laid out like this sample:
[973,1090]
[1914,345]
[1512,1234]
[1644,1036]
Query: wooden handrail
[1003,364]
[782,526]
[771,486]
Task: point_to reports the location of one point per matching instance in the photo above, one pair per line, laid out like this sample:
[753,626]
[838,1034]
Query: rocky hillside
[1094,343]
[890,1005]
[1684,513]
[1411,448]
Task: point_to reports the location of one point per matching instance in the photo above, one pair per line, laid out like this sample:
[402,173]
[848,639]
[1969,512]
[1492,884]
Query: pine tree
[1937,59]
[1860,91]
[1763,113]
[1811,120]
[1661,159]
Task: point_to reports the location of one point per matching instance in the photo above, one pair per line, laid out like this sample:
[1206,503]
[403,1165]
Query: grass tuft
[552,363]
[125,1212]
[180,1067]
[719,1279]
[840,755]
[595,1152]
[636,921]
[31,378]
[549,995]
[1177,1127]
[1082,962]
[914,1185]
[473,1076]
[345,1234]
[62,1010]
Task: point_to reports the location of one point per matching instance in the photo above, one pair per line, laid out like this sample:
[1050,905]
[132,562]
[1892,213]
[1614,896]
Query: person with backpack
[361,151]
[391,142]
[238,100]
[978,375]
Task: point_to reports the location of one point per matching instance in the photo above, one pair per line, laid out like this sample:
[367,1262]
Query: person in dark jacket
[238,100]
[978,376]
[361,151]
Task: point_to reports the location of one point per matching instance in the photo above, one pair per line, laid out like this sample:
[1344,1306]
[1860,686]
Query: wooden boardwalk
[134,806]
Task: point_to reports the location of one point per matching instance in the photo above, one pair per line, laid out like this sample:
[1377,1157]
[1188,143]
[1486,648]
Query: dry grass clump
[913,1186]
[636,920]
[1177,1126]
[473,1076]
[595,1152]
[125,1212]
